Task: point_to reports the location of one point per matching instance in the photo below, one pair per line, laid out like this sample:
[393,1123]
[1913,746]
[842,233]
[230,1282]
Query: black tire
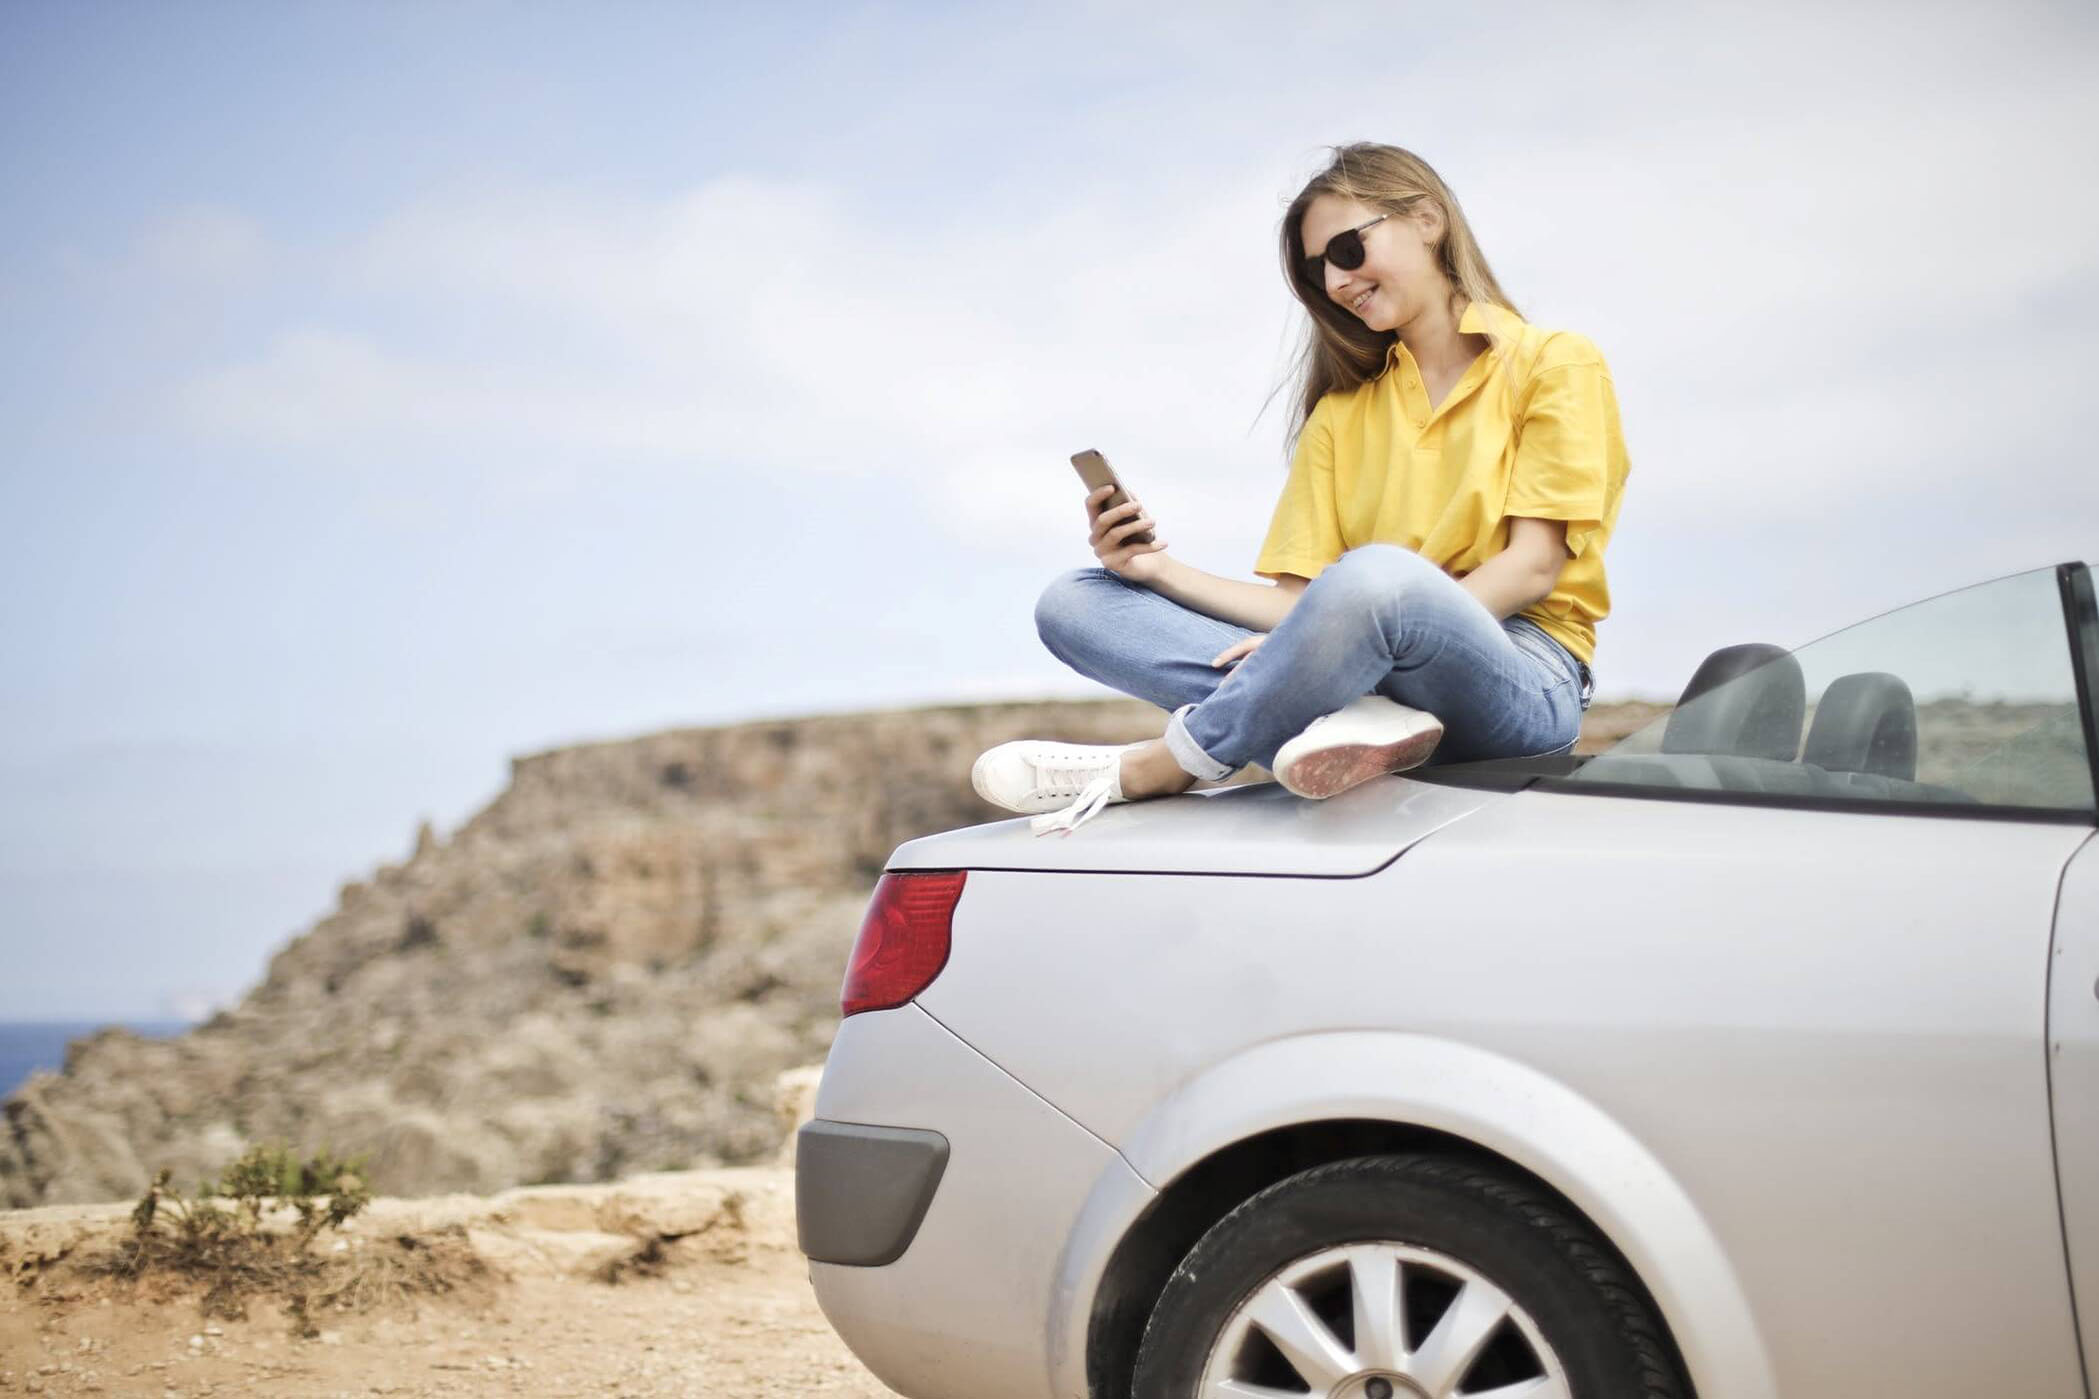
[1592,1314]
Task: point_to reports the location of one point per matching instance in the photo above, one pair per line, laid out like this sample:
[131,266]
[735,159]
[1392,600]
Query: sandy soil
[730,1315]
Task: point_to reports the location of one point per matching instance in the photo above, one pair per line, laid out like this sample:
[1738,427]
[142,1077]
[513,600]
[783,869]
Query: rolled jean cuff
[1189,754]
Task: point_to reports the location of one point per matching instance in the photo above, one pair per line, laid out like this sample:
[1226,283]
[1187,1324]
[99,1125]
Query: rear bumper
[980,1294]
[861,1192]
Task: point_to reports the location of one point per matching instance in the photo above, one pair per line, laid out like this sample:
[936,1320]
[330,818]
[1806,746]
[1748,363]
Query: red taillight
[903,940]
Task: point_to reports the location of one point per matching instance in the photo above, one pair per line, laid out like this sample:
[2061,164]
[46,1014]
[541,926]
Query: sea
[27,1046]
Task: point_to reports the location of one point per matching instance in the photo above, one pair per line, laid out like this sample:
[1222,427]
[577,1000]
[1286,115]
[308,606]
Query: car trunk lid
[1258,829]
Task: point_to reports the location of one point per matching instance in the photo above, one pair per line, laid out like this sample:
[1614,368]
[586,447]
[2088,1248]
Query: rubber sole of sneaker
[1332,771]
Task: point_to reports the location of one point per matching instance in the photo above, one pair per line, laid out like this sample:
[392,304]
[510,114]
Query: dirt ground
[729,1315]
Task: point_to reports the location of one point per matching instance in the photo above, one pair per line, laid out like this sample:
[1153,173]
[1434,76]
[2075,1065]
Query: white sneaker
[1068,783]
[1367,738]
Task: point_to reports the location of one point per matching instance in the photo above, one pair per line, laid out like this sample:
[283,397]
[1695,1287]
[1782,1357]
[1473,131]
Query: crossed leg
[1381,619]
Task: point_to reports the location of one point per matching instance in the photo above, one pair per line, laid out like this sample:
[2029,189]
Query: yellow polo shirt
[1531,429]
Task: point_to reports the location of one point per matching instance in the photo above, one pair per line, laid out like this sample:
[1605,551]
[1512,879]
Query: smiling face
[1399,275]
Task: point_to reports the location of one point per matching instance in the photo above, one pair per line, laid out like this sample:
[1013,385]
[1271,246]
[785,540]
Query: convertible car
[1755,1056]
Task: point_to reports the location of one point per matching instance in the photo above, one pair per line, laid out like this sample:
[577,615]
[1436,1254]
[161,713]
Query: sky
[388,390]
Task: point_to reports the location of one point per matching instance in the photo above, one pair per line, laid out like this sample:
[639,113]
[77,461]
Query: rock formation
[599,973]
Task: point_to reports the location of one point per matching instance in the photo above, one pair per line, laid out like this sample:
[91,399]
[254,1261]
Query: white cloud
[1791,260]
[770,326]
[333,396]
[203,246]
[1820,255]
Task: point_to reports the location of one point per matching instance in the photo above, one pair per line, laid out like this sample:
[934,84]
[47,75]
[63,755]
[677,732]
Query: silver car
[1757,1055]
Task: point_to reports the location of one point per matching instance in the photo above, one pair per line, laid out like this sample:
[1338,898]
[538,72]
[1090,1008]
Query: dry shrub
[649,1259]
[389,1273]
[250,1235]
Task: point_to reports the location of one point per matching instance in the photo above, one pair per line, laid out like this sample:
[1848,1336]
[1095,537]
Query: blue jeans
[1381,619]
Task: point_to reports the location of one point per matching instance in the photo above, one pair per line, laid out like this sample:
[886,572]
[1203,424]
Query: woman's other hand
[1111,530]
[1240,649]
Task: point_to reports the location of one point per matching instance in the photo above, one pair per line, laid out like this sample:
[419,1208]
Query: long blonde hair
[1339,351]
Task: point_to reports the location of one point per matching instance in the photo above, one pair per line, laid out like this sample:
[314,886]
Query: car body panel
[2073,1082]
[954,1318]
[1118,1200]
[1511,1109]
[1824,1027]
[1248,830]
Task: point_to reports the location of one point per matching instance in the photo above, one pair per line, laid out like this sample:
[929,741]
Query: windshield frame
[2081,613]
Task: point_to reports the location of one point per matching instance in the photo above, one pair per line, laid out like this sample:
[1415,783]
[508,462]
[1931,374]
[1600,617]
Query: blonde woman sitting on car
[1436,557]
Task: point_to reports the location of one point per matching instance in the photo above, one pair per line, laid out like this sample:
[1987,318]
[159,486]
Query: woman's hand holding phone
[1111,531]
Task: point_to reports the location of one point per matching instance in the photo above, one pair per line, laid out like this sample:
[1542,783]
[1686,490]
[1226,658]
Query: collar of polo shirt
[1479,318]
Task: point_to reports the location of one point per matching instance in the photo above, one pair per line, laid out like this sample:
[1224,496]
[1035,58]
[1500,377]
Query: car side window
[1966,702]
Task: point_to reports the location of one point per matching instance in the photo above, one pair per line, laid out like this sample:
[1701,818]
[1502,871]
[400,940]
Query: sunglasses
[1344,250]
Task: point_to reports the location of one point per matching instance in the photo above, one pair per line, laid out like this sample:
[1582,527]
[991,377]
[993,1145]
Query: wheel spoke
[1374,1277]
[1543,1387]
[1459,1336]
[1313,1351]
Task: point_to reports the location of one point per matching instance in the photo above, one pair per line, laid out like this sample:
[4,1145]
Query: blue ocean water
[29,1045]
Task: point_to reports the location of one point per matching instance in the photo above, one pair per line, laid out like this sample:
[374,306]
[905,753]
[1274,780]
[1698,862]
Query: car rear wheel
[1404,1277]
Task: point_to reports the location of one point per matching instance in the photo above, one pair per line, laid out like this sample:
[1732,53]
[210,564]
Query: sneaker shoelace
[1090,786]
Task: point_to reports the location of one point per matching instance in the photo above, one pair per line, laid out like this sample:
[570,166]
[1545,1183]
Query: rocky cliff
[601,972]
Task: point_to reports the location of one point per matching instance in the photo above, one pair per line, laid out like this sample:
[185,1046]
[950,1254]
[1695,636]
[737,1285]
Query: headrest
[1746,701]
[1865,723]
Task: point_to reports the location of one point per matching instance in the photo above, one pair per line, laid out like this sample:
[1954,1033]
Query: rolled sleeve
[1562,468]
[1304,536]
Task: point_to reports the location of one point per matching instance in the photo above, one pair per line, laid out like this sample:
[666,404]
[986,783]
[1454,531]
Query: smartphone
[1094,470]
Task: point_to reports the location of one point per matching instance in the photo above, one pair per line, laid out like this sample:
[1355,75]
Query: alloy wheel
[1380,1320]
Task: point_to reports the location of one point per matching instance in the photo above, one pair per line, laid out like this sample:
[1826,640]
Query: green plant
[322,1191]
[250,1233]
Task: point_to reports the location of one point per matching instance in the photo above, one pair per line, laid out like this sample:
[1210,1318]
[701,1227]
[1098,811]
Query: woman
[1436,557]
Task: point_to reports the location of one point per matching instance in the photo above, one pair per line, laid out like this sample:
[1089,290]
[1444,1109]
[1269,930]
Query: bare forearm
[1506,584]
[1255,606]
